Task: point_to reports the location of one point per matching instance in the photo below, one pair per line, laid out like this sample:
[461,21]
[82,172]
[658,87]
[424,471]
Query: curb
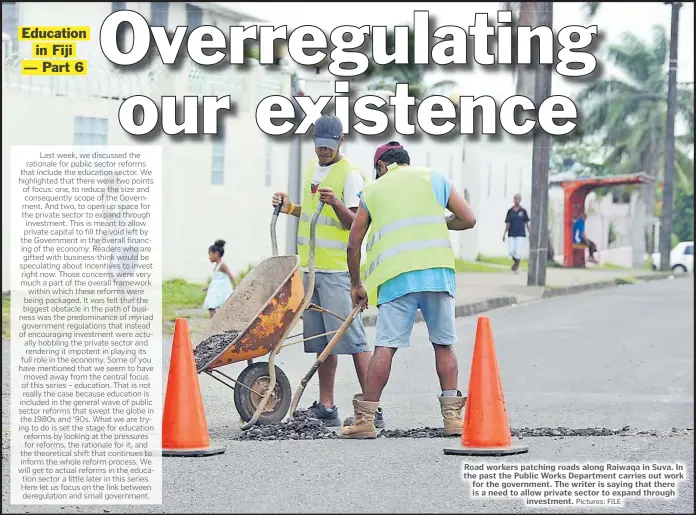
[474,308]
[461,310]
[552,291]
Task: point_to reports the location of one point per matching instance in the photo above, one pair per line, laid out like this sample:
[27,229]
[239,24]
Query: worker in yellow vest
[410,266]
[332,179]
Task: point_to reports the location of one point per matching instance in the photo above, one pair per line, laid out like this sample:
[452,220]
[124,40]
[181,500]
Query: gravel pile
[304,428]
[299,427]
[209,349]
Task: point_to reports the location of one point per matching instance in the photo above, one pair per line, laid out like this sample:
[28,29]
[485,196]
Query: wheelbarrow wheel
[257,377]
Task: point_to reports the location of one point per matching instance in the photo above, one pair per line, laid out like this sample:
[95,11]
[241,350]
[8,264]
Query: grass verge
[524,264]
[177,295]
[6,316]
[501,261]
[477,267]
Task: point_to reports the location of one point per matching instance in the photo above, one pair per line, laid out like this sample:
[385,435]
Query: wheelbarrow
[255,321]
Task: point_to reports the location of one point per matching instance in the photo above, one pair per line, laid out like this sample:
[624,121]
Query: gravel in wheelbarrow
[209,349]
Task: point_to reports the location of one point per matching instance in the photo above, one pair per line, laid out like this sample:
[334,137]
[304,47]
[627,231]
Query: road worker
[410,266]
[332,179]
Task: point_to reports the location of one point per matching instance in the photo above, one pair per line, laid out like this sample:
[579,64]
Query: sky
[612,20]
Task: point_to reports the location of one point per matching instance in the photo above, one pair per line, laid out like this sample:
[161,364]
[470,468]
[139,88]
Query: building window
[490,178]
[194,17]
[218,169]
[505,184]
[121,31]
[90,131]
[620,196]
[269,164]
[10,24]
[159,14]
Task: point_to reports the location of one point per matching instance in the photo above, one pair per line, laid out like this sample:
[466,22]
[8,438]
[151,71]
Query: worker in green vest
[409,266]
[331,179]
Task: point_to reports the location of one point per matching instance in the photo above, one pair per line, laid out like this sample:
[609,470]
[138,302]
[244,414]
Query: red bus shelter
[575,192]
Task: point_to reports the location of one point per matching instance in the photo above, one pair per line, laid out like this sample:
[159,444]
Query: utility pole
[294,171]
[668,188]
[539,234]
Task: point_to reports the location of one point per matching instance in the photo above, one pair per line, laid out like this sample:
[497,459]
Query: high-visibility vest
[331,243]
[408,229]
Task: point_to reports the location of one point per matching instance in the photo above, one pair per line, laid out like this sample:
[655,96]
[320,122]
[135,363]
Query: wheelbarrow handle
[313,237]
[322,357]
[274,220]
[312,233]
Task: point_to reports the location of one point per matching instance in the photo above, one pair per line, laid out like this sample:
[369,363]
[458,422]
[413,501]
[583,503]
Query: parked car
[681,258]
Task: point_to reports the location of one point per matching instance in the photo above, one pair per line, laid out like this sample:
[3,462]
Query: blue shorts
[396,318]
[332,292]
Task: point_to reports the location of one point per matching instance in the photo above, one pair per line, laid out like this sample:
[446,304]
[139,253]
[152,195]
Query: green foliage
[387,76]
[241,275]
[476,266]
[684,212]
[612,233]
[583,157]
[628,112]
[6,317]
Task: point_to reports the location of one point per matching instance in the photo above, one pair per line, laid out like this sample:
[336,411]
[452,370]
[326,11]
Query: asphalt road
[607,359]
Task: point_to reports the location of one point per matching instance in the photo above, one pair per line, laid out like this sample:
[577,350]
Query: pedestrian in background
[220,287]
[516,221]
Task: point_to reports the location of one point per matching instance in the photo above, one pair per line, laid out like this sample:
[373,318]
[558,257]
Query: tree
[387,76]
[591,9]
[524,14]
[684,212]
[583,157]
[628,112]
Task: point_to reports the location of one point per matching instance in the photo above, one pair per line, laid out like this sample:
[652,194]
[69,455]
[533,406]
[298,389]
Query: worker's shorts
[332,292]
[396,318]
[516,246]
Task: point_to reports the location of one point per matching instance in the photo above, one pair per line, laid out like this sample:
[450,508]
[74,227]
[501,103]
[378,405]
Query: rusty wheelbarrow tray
[257,318]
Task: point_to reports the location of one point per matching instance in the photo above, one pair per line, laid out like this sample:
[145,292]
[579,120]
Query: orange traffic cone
[184,428]
[486,431]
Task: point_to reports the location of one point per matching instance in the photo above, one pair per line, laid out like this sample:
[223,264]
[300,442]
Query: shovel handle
[322,357]
[337,337]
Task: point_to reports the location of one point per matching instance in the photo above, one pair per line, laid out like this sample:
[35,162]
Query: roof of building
[226,10]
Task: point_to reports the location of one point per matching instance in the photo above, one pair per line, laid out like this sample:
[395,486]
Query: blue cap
[328,131]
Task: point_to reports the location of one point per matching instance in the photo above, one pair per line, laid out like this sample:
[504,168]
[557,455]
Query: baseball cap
[328,131]
[381,150]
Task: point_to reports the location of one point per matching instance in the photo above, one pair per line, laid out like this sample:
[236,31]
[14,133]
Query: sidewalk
[481,292]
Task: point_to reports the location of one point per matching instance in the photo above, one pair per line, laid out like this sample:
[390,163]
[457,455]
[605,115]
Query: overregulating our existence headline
[345,48]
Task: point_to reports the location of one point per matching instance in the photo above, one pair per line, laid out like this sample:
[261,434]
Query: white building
[222,188]
[212,189]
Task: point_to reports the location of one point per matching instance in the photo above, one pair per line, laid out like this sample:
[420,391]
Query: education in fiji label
[54,50]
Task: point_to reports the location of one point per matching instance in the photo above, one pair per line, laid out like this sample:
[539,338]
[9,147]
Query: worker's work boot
[451,408]
[379,419]
[364,425]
